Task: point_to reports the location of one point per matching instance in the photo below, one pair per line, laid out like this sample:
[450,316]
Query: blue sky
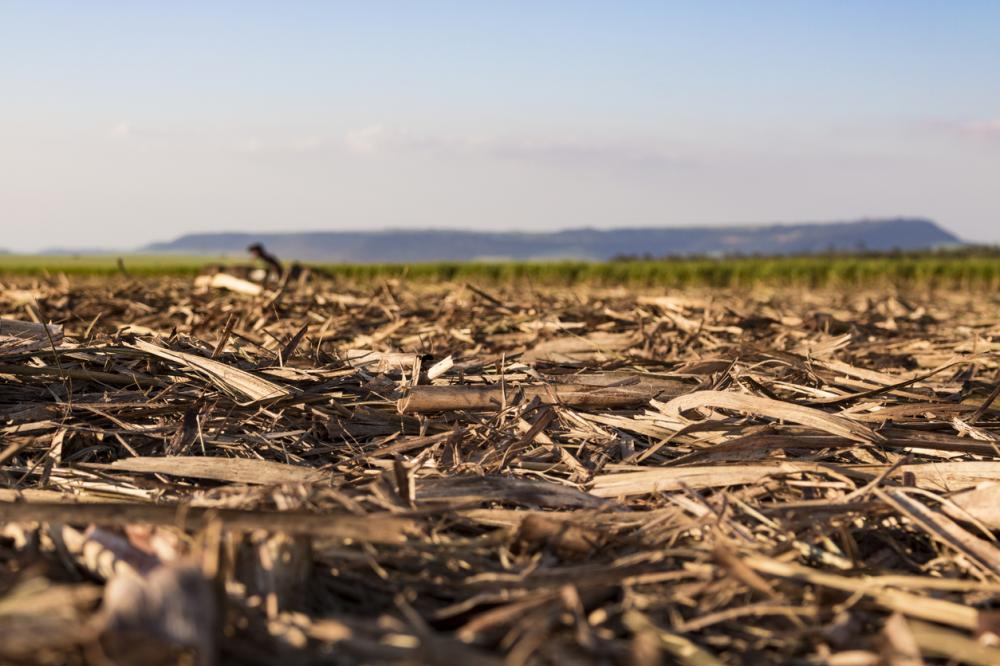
[122,123]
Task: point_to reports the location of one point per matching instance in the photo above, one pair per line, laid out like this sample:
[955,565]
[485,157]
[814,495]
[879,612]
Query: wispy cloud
[254,145]
[553,150]
[561,151]
[983,127]
[371,139]
[130,130]
[121,130]
[160,137]
[988,128]
[577,152]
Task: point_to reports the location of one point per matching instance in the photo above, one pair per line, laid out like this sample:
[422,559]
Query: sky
[126,123]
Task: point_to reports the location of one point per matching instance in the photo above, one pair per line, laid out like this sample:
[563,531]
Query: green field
[944,270]
[100,265]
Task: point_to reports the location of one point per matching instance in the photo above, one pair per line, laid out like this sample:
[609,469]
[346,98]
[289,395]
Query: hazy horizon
[125,125]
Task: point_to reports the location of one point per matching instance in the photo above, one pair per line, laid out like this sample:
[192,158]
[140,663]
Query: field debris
[197,471]
[206,283]
[21,336]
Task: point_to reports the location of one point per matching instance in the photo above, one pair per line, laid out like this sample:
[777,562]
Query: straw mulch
[326,472]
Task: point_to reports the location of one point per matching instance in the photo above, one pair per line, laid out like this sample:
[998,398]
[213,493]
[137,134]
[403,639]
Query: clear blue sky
[126,122]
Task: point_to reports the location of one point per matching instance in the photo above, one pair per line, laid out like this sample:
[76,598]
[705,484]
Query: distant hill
[444,245]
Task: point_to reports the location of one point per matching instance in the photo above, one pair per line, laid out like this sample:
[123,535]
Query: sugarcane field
[211,469]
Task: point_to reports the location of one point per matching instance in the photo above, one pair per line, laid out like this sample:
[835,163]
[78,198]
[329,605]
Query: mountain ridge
[414,245]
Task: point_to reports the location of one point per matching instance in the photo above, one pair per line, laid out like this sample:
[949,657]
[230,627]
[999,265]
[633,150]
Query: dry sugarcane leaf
[943,529]
[775,409]
[233,470]
[981,504]
[21,336]
[952,476]
[229,282]
[380,361]
[949,476]
[678,478]
[230,379]
[576,349]
[426,399]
